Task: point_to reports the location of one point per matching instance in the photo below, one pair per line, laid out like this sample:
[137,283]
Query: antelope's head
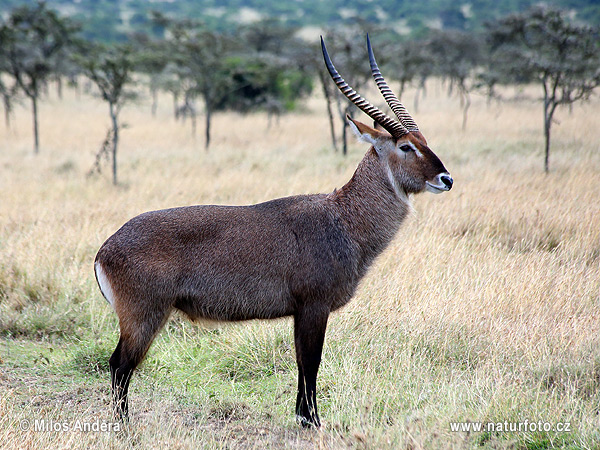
[410,164]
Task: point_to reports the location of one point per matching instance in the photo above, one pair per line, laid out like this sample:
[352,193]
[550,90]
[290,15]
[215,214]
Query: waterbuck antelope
[299,256]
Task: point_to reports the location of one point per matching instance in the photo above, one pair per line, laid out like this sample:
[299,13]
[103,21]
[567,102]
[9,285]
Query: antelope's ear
[381,140]
[377,126]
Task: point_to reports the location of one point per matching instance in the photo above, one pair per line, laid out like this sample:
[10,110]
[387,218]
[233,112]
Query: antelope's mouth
[436,189]
[443,184]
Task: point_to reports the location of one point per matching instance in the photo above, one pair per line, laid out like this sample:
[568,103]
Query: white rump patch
[104,284]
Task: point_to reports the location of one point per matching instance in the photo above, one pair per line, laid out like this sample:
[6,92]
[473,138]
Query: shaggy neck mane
[371,207]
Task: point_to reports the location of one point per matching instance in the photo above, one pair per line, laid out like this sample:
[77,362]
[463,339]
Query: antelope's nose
[447,180]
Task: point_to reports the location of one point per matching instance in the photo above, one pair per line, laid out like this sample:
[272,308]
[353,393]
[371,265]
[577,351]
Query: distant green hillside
[112,20]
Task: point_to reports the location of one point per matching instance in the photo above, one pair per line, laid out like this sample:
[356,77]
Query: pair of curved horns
[406,123]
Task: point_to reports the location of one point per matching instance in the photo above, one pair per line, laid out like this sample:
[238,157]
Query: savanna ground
[485,308]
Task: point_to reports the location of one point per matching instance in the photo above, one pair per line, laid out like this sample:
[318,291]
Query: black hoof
[304,422]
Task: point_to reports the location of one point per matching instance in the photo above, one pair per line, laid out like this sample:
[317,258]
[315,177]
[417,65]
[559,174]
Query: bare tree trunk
[466,104]
[550,105]
[342,112]
[59,87]
[36,139]
[450,86]
[345,138]
[115,140]
[75,83]
[546,139]
[329,110]
[154,94]
[193,119]
[465,112]
[490,95]
[549,108]
[401,88]
[191,109]
[208,117]
[175,100]
[420,91]
[7,109]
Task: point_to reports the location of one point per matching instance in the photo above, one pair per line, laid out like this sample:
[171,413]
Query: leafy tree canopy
[543,46]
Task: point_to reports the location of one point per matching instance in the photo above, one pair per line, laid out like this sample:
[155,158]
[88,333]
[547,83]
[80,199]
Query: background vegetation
[114,20]
[485,308]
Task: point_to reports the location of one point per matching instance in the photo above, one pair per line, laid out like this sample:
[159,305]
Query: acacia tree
[542,46]
[198,56]
[409,62]
[35,42]
[256,67]
[205,62]
[8,84]
[275,73]
[457,55]
[175,77]
[8,91]
[110,69]
[152,60]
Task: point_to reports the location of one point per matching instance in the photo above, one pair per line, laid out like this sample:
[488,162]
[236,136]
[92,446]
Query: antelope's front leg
[310,323]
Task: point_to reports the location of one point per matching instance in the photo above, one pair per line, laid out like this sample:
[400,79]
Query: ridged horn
[394,128]
[391,99]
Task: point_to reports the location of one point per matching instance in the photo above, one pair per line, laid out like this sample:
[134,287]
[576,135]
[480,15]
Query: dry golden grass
[485,308]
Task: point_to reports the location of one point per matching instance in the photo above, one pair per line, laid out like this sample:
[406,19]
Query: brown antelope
[299,256]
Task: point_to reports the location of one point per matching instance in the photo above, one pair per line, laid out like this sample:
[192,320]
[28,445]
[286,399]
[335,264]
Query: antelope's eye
[407,148]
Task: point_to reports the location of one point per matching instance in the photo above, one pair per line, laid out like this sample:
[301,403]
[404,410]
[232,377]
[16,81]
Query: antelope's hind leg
[309,334]
[137,333]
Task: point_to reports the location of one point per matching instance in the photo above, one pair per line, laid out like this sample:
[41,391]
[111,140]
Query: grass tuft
[92,359]
[257,355]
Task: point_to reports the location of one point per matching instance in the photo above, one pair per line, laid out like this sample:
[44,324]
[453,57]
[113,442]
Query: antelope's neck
[371,207]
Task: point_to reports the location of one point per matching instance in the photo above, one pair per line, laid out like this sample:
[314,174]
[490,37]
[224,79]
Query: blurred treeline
[266,65]
[115,20]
